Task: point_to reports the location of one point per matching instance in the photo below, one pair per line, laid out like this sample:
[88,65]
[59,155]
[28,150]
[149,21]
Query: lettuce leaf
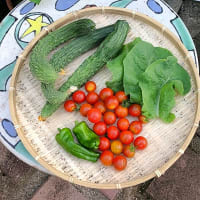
[159,84]
[116,67]
[135,63]
[36,1]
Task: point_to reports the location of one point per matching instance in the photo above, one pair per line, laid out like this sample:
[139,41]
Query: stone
[110,194]
[176,5]
[197,44]
[190,14]
[195,144]
[181,181]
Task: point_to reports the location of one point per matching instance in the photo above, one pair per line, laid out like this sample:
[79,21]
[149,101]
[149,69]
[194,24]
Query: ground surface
[180,182]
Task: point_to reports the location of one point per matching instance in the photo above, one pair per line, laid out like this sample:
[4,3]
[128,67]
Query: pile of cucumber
[82,36]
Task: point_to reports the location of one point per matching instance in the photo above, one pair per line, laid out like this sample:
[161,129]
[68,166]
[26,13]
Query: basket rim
[74,16]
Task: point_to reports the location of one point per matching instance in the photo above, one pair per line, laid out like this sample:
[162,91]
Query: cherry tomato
[104,144]
[78,96]
[92,97]
[121,96]
[105,92]
[134,110]
[116,147]
[136,127]
[90,86]
[94,115]
[69,105]
[109,117]
[126,137]
[100,105]
[143,119]
[120,162]
[123,124]
[85,108]
[111,102]
[107,158]
[140,143]
[113,132]
[100,128]
[121,111]
[129,151]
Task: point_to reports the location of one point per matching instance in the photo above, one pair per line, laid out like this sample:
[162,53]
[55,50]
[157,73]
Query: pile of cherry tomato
[114,140]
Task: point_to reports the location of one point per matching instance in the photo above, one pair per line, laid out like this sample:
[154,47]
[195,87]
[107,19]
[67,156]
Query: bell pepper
[66,140]
[86,136]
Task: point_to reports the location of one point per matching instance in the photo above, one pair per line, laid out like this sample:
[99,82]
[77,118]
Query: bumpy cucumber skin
[39,64]
[105,52]
[65,55]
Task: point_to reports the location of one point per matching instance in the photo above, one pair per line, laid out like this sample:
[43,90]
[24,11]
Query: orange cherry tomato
[113,132]
[126,137]
[69,105]
[121,111]
[92,97]
[100,128]
[121,96]
[111,102]
[135,110]
[116,147]
[143,119]
[94,115]
[129,151]
[123,124]
[90,86]
[106,158]
[78,96]
[109,117]
[104,144]
[135,127]
[85,108]
[105,92]
[120,162]
[140,143]
[100,105]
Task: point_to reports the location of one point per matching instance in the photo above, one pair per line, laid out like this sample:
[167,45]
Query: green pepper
[66,140]
[86,136]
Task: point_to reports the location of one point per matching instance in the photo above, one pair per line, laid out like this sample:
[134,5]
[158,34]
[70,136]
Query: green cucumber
[108,49]
[65,55]
[39,64]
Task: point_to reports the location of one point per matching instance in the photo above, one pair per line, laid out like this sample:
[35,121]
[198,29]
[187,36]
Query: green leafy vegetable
[36,1]
[159,84]
[116,67]
[136,62]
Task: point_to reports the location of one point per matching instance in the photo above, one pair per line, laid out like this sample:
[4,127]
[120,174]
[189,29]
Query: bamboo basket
[167,142]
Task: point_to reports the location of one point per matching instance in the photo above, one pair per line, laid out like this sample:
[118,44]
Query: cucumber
[68,53]
[39,64]
[105,52]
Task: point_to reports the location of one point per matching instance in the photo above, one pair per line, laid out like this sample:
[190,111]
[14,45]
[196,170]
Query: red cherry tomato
[85,108]
[113,132]
[121,96]
[143,119]
[121,111]
[105,92]
[136,127]
[100,128]
[120,162]
[134,110]
[100,105]
[129,151]
[116,147]
[78,96]
[104,144]
[90,86]
[109,117]
[123,124]
[69,105]
[126,137]
[111,102]
[107,158]
[140,143]
[94,115]
[92,97]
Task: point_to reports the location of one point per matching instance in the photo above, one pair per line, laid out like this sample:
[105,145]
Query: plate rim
[74,16]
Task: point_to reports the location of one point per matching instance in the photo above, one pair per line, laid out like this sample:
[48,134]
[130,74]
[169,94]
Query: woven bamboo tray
[167,142]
